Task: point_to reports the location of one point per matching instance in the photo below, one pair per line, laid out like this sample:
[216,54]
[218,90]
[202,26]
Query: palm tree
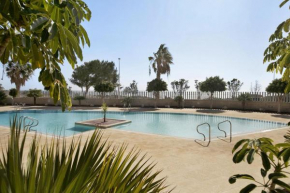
[19,74]
[161,61]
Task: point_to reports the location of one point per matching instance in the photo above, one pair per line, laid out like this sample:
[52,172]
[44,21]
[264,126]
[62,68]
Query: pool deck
[188,166]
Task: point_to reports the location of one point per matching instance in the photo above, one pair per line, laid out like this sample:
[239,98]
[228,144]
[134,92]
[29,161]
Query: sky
[206,38]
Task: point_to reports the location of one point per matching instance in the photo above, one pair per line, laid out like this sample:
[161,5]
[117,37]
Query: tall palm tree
[19,74]
[161,61]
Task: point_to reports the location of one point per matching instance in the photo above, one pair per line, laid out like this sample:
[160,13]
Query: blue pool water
[170,124]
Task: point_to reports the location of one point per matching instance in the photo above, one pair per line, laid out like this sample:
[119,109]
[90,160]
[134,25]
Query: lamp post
[119,85]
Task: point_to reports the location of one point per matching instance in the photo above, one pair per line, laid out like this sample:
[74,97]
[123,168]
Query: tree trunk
[18,89]
[103,98]
[4,44]
[211,100]
[158,77]
[280,98]
[87,90]
[82,91]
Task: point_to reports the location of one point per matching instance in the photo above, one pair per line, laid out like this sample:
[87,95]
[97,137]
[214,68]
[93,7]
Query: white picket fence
[189,95]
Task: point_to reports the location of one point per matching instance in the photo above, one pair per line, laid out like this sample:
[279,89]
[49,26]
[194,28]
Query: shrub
[35,93]
[127,101]
[79,98]
[211,85]
[2,97]
[13,92]
[156,85]
[104,87]
[244,98]
[179,100]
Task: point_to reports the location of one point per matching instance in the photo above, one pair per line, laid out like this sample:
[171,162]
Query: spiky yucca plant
[95,166]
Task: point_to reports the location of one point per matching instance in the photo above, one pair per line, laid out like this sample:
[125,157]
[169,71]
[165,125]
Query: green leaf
[238,144]
[248,188]
[52,31]
[265,161]
[263,172]
[38,23]
[286,155]
[44,35]
[250,157]
[232,180]
[276,175]
[241,176]
[283,3]
[282,184]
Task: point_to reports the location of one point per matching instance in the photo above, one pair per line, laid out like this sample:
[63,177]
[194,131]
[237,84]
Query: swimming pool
[171,124]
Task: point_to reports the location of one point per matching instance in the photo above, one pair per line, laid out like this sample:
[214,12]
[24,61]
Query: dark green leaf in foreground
[248,188]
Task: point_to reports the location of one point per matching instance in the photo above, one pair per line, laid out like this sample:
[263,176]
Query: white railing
[188,95]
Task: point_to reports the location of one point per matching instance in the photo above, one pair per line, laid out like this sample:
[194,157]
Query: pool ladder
[29,122]
[209,133]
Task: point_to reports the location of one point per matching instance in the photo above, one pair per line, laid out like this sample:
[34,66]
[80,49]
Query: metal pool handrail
[225,131]
[204,138]
[33,122]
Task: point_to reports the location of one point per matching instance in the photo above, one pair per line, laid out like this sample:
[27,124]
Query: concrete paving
[188,166]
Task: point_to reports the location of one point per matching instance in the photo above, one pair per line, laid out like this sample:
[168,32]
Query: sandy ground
[188,166]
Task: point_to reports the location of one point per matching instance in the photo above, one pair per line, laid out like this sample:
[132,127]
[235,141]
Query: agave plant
[57,167]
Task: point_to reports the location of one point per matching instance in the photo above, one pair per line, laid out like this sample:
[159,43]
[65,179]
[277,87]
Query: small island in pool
[101,124]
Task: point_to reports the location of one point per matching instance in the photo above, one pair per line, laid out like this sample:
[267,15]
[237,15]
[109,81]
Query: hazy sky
[206,38]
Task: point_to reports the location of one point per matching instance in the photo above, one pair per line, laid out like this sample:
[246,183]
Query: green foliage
[81,78]
[275,160]
[79,98]
[19,74]
[156,85]
[2,95]
[35,93]
[213,84]
[104,108]
[59,166]
[161,61]
[179,100]
[44,33]
[93,72]
[287,135]
[179,87]
[102,71]
[234,85]
[132,89]
[13,92]
[277,53]
[277,86]
[104,86]
[127,101]
[245,97]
